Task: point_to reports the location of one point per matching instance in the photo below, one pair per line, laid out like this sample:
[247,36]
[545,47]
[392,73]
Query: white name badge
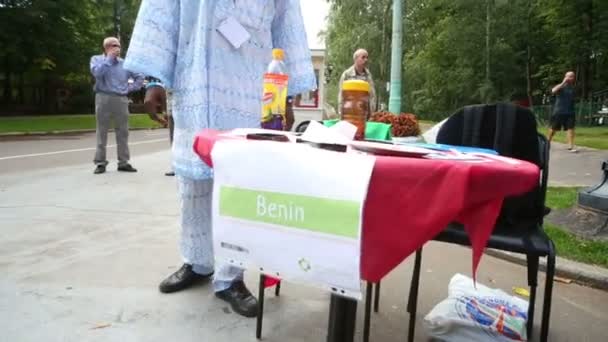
[234,32]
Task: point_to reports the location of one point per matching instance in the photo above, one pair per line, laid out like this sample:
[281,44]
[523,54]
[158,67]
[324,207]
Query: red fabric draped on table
[411,200]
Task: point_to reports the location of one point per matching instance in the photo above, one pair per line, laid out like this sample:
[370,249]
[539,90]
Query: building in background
[311,105]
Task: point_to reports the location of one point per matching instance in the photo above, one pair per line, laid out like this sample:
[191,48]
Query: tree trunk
[588,49]
[21,90]
[7,96]
[488,32]
[49,94]
[116,18]
[529,55]
[384,56]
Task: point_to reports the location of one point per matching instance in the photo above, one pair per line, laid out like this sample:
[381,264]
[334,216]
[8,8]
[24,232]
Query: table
[423,196]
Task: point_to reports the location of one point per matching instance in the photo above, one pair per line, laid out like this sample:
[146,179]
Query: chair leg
[377,297]
[277,289]
[531,305]
[368,310]
[544,330]
[260,316]
[533,283]
[413,297]
[409,300]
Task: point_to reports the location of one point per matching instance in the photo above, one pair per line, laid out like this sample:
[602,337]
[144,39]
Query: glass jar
[355,105]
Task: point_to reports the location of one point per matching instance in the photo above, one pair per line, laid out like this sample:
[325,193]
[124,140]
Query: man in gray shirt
[112,85]
[359,71]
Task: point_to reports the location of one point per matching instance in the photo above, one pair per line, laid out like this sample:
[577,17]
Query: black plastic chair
[523,235]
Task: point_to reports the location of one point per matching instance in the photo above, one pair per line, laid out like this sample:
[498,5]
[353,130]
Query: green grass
[594,137]
[57,123]
[561,197]
[571,247]
[568,245]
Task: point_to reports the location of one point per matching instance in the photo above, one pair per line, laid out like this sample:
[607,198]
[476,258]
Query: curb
[582,274]
[69,131]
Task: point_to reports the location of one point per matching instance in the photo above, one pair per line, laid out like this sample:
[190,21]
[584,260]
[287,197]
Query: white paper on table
[277,209]
[341,133]
[345,128]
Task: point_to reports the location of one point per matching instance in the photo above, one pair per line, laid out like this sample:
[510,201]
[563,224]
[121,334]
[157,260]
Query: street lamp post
[394,101]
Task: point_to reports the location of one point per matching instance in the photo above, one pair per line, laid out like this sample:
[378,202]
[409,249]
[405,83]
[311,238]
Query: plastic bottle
[275,93]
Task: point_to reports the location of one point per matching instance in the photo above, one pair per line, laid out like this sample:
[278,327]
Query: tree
[470,51]
[357,24]
[47,44]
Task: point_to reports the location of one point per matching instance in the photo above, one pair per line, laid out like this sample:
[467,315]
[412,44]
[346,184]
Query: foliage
[47,44]
[470,51]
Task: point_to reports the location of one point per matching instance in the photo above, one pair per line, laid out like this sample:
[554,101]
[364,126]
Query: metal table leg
[342,317]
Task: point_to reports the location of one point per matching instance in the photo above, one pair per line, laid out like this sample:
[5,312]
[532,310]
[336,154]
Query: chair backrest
[511,131]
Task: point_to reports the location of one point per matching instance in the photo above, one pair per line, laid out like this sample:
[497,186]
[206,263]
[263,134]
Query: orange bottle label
[275,96]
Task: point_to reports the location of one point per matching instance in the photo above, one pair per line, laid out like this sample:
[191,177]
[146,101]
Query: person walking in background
[563,111]
[359,71]
[157,104]
[216,78]
[112,85]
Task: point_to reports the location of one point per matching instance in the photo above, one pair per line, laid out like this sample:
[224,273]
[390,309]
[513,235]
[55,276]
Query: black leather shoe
[100,169]
[127,168]
[182,279]
[240,299]
[170,174]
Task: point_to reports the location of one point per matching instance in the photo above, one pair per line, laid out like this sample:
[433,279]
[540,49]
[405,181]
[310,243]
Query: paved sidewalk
[82,255]
[582,168]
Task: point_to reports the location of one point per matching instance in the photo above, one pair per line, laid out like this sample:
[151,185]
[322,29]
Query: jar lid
[356,85]
[278,54]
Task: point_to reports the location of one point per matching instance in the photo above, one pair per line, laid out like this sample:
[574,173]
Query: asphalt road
[28,153]
[81,257]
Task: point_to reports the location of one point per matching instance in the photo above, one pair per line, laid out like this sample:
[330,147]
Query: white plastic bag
[430,136]
[481,314]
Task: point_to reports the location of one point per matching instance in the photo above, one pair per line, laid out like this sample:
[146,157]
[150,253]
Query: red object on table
[411,200]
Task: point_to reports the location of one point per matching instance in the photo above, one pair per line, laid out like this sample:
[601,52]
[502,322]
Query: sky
[314,13]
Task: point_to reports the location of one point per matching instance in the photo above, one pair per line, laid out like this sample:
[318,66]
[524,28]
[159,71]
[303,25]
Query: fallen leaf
[521,291]
[101,326]
[562,280]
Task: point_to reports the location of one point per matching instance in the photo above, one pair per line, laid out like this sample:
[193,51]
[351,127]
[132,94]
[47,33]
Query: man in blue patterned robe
[218,86]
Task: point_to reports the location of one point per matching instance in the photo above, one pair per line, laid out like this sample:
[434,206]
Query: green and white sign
[290,211]
[314,214]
